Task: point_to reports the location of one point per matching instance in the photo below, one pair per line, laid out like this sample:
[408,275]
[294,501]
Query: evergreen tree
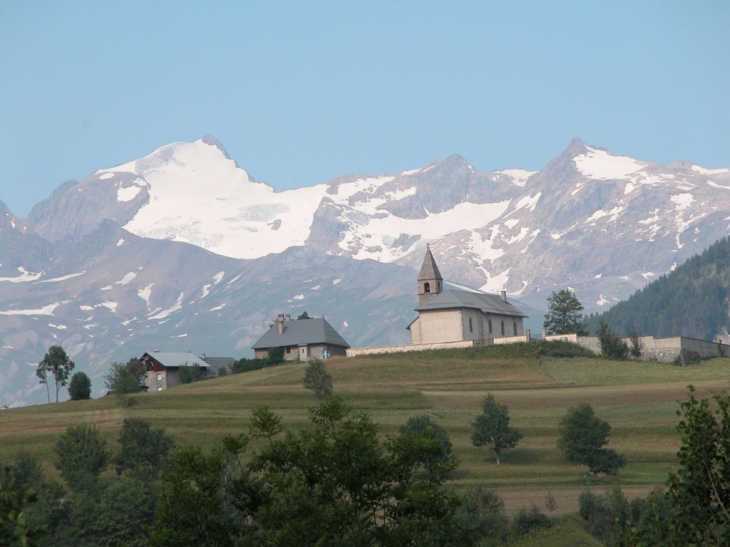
[80,387]
[564,314]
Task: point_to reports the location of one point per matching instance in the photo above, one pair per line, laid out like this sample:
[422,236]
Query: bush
[529,520]
[612,347]
[483,511]
[80,387]
[318,379]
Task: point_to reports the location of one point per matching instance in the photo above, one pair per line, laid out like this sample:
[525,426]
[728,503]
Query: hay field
[638,399]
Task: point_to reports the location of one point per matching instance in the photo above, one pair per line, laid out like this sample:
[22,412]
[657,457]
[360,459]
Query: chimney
[503,294]
[287,318]
[280,321]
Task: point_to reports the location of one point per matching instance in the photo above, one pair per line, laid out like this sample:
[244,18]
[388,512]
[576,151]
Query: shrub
[529,520]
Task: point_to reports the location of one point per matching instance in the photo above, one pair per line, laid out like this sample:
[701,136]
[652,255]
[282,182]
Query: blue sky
[302,92]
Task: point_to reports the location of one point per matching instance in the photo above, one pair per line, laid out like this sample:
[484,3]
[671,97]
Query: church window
[514,328]
[426,287]
[502,328]
[439,285]
[470,327]
[490,326]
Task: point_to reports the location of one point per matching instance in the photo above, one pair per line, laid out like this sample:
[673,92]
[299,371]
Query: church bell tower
[430,282]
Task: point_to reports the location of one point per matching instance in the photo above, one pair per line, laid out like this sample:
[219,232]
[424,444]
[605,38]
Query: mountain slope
[690,301]
[600,223]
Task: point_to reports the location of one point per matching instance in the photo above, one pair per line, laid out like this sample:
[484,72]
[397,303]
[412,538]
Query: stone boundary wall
[561,338]
[354,352]
[511,339]
[664,350]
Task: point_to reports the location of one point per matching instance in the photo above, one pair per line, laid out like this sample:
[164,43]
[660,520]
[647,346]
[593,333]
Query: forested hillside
[690,301]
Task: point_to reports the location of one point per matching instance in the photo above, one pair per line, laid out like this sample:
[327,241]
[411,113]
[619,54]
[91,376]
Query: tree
[303,315]
[564,314]
[333,483]
[582,436]
[318,379]
[144,451]
[700,491]
[612,347]
[15,500]
[81,456]
[124,380]
[189,374]
[55,363]
[635,348]
[42,373]
[80,387]
[425,426]
[492,429]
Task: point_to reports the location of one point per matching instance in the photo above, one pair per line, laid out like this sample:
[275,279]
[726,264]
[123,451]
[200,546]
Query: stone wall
[664,350]
[354,352]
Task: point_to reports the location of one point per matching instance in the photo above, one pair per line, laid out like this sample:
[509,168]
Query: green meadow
[638,399]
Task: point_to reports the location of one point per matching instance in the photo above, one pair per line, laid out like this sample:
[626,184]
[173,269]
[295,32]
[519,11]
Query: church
[446,315]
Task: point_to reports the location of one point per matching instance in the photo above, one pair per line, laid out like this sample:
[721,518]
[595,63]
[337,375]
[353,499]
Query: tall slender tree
[57,363]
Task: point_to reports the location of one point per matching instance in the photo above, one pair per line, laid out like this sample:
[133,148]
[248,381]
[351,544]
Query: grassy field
[638,399]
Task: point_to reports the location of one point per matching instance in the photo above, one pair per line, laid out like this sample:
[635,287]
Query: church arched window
[490,326]
[427,287]
[470,327]
[502,328]
[514,328]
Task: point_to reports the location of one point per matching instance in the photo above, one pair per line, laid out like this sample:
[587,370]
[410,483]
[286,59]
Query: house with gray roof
[163,368]
[302,339]
[456,315]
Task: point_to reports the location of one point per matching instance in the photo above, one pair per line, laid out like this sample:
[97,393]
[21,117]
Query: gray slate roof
[486,303]
[177,359]
[429,270]
[301,332]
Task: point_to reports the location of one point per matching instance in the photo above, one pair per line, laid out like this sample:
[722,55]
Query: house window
[514,328]
[159,376]
[287,350]
[502,328]
[159,388]
[426,287]
[490,326]
[470,329]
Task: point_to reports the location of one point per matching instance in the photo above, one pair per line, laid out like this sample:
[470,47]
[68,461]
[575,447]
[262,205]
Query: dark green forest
[691,301]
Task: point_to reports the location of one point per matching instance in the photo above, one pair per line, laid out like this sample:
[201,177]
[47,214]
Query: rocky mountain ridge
[183,249]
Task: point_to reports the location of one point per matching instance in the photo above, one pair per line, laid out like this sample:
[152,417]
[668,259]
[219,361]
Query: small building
[455,315]
[163,368]
[301,339]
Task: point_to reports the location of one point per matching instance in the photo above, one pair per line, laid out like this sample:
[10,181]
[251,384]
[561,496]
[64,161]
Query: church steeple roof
[429,270]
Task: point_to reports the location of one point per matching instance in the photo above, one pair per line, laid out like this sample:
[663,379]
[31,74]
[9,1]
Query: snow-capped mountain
[601,223]
[183,250]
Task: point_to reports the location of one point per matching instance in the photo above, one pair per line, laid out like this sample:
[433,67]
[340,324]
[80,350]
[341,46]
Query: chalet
[301,339]
[455,316]
[163,368]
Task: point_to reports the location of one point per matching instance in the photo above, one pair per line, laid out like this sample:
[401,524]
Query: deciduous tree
[492,429]
[81,456]
[318,379]
[57,364]
[564,314]
[582,437]
[144,450]
[125,379]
